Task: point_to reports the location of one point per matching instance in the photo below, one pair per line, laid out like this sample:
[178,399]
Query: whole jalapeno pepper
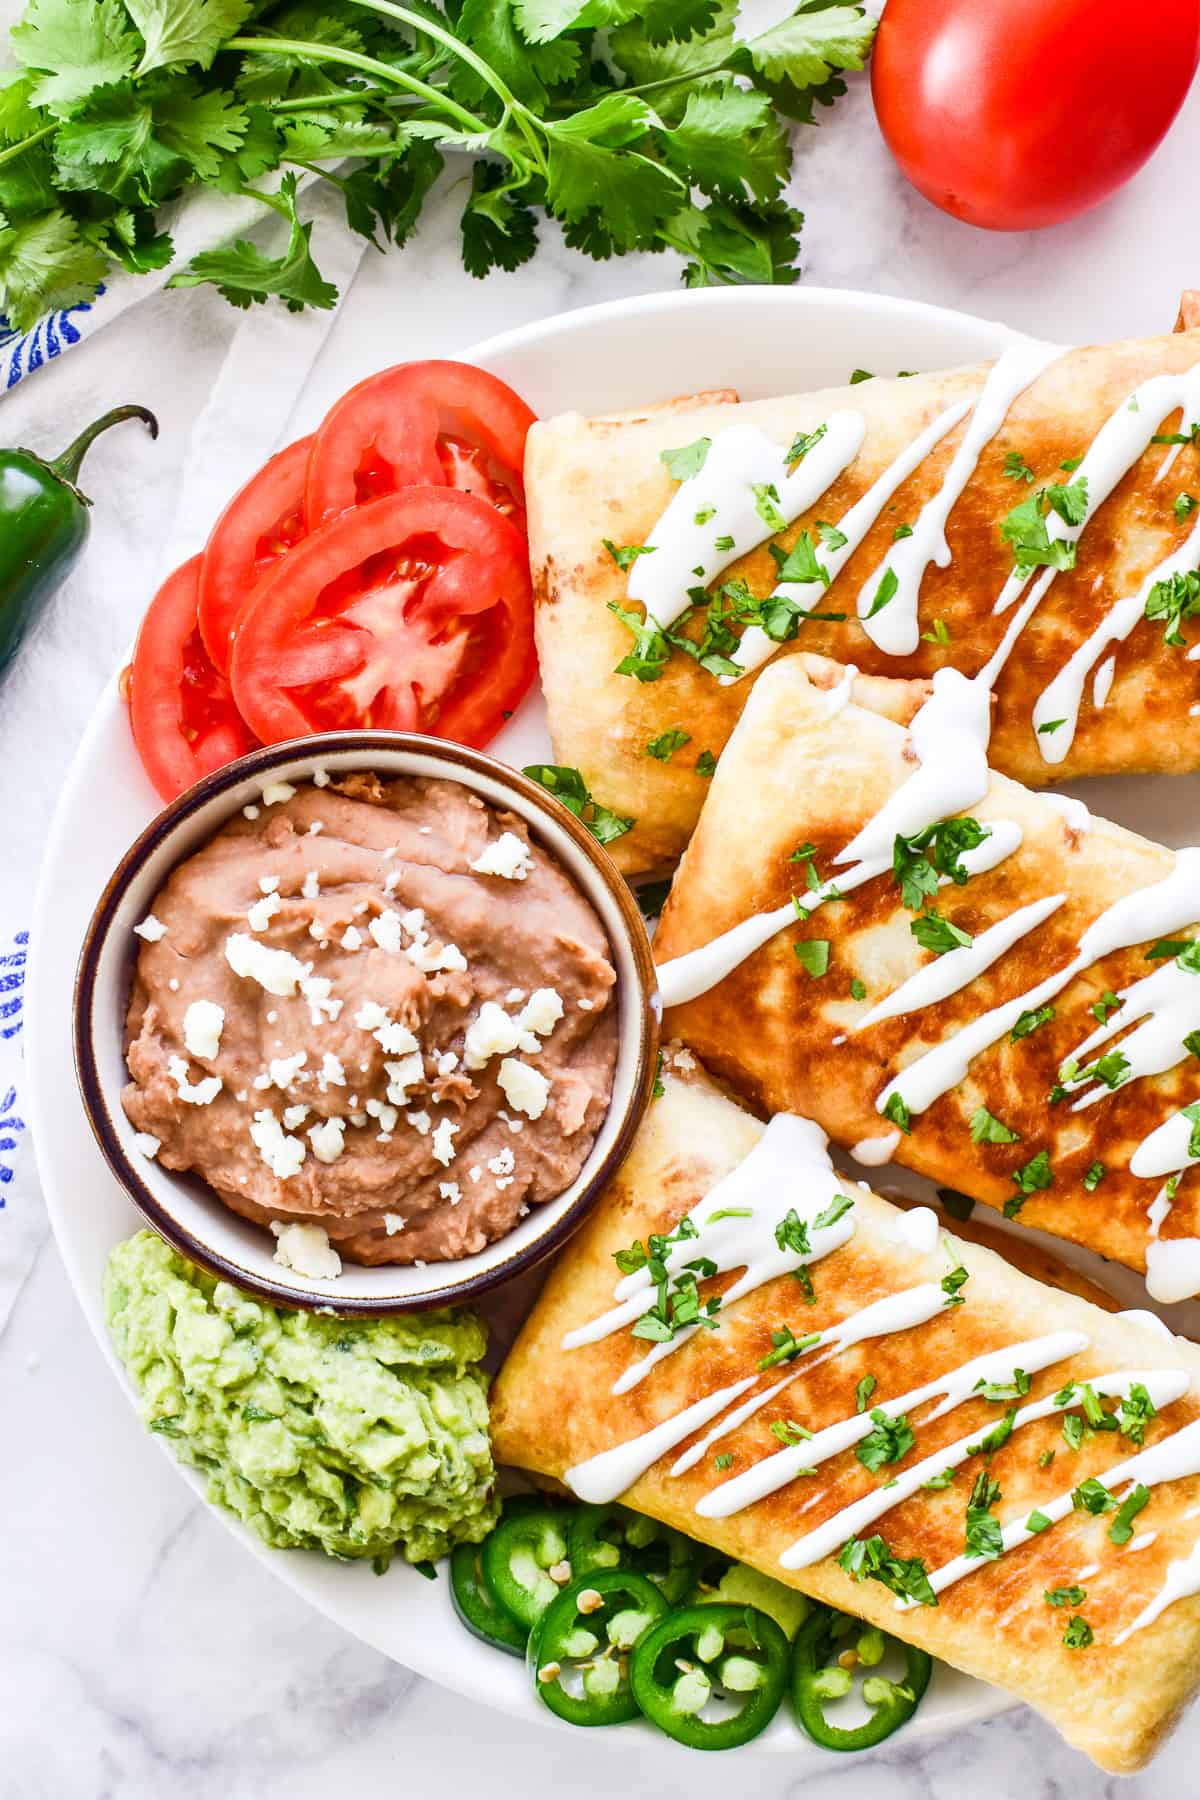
[44,524]
[820,1676]
[580,1647]
[705,1652]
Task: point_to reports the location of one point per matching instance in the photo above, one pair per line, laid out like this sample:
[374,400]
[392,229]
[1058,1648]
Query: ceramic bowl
[181,1206]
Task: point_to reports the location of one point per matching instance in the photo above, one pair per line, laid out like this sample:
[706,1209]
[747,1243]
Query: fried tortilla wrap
[1008,1002]
[888,499]
[911,1358]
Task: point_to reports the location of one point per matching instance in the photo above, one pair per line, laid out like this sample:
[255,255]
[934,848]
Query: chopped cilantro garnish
[813,955]
[897,1112]
[1172,601]
[802,443]
[1121,1529]
[568,786]
[687,461]
[1050,727]
[870,1559]
[996,1391]
[1185,504]
[791,1233]
[1078,1634]
[1016,468]
[983,1535]
[1030,1021]
[939,1482]
[829,1215]
[887,590]
[787,1346]
[1026,529]
[724,543]
[986,1128]
[625,555]
[862,1393]
[1137,1410]
[1094,1176]
[1107,1003]
[1036,1175]
[951,1283]
[946,843]
[706,762]
[1038,1521]
[1092,1496]
[1066,1596]
[891,1439]
[940,634]
[935,933]
[861,375]
[766,505]
[724,1461]
[663,748]
[651,648]
[901,531]
[857,990]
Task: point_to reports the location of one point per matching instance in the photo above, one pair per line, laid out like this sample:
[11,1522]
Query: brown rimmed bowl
[182,1208]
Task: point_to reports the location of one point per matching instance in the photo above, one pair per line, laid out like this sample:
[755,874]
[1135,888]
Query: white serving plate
[762,341]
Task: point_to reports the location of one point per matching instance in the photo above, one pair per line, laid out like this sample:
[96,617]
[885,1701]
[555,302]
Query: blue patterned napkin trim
[21,352]
[12,1006]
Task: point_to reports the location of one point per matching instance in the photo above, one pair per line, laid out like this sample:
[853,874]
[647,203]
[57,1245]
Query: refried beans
[376,1007]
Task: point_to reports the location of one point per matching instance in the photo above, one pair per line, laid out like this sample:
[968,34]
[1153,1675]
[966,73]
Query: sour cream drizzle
[755,646]
[1168,1003]
[956,968]
[1062,698]
[895,1312]
[1183,1580]
[1168,905]
[719,506]
[949,735]
[951,1390]
[1171,1459]
[895,627]
[787,1170]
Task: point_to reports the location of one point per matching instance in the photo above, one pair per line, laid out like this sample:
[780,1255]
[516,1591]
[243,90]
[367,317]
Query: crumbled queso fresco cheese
[307,1250]
[151,929]
[442,1141]
[509,856]
[283,1070]
[146,1144]
[392,1223]
[277,971]
[524,1088]
[259,916]
[199,1093]
[327,1140]
[276,792]
[386,931]
[542,1011]
[203,1023]
[283,1155]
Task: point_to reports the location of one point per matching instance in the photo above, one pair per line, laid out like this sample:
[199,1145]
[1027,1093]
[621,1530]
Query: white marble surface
[142,1656]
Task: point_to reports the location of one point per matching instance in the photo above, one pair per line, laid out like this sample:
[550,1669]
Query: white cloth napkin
[244,419]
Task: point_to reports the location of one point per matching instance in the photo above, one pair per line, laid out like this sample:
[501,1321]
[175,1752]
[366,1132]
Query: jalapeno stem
[67,465]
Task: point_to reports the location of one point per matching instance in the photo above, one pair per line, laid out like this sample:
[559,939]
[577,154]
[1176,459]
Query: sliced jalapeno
[580,1647]
[719,1654]
[518,1557]
[475,1606]
[821,1674]
[612,1537]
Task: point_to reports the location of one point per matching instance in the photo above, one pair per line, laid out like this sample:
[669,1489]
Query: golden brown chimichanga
[827,1017]
[591,480]
[559,1405]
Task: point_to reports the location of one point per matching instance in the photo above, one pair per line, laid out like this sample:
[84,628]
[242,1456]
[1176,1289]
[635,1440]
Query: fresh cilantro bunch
[637,124]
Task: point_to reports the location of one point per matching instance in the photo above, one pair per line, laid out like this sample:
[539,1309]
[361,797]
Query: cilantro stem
[367,65]
[418,22]
[11,151]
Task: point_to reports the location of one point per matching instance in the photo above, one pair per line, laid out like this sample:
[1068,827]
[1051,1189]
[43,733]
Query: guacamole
[356,1438]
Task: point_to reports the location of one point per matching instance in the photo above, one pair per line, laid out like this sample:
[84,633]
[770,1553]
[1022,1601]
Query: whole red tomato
[1014,114]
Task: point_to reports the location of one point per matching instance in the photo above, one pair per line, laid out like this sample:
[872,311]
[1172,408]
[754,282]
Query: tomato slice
[185,722]
[412,612]
[264,518]
[421,424]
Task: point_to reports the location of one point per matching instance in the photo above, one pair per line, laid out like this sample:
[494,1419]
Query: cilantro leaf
[813,955]
[688,460]
[74,47]
[934,933]
[568,785]
[45,262]
[807,47]
[890,1441]
[986,1128]
[185,31]
[245,275]
[729,142]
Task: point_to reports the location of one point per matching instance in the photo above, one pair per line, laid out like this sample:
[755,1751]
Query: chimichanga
[978,1441]
[1000,991]
[864,525]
